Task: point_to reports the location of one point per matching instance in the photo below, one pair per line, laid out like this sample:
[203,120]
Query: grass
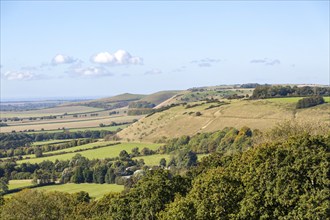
[13,184]
[94,190]
[255,114]
[293,99]
[40,143]
[153,160]
[100,153]
[71,149]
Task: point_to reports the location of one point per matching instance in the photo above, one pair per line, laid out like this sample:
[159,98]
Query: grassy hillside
[256,114]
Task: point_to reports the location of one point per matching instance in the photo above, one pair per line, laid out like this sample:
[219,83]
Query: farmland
[49,111]
[68,125]
[94,190]
[13,184]
[100,153]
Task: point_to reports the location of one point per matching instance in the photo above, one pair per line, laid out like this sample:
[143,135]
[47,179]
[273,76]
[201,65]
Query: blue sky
[86,49]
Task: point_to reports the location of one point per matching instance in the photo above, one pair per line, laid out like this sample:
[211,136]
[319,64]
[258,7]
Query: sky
[103,48]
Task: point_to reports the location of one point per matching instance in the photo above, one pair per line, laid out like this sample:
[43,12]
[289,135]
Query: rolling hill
[206,117]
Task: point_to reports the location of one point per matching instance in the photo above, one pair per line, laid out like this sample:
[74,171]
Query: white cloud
[153,72]
[120,57]
[19,75]
[63,59]
[91,71]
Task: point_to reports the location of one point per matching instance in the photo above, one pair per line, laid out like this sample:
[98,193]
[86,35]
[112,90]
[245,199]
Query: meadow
[100,153]
[40,143]
[292,99]
[14,184]
[94,190]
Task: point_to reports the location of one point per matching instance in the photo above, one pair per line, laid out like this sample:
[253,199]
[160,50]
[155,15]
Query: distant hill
[256,114]
[113,102]
[159,97]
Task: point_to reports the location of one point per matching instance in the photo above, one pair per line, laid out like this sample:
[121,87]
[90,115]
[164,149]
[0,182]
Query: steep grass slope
[256,114]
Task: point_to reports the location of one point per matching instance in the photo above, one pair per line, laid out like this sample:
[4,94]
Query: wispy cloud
[63,59]
[120,57]
[266,61]
[180,69]
[21,75]
[207,62]
[91,71]
[153,72]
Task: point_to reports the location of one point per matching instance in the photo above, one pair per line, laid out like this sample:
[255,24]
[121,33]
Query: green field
[71,149]
[100,153]
[40,143]
[293,99]
[13,184]
[153,160]
[94,190]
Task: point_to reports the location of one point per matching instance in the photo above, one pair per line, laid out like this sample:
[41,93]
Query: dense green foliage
[228,139]
[280,179]
[15,144]
[261,92]
[310,101]
[14,140]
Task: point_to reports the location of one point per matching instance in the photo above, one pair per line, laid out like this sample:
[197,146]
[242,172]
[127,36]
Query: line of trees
[267,91]
[228,139]
[141,104]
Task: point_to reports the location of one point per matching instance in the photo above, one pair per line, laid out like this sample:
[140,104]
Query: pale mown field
[73,124]
[49,111]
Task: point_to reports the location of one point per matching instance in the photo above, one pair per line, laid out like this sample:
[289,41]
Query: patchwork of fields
[174,122]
